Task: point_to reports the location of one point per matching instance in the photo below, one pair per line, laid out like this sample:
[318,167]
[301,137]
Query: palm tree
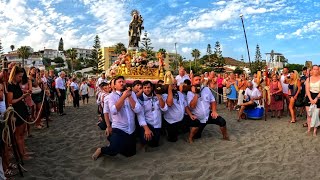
[119,47]
[72,54]
[195,54]
[23,53]
[12,47]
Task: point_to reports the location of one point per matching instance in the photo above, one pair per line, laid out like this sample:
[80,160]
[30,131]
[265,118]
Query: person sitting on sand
[203,107]
[150,118]
[252,96]
[123,105]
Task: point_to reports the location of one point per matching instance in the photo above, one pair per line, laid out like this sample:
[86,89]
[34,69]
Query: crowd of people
[148,110]
[34,94]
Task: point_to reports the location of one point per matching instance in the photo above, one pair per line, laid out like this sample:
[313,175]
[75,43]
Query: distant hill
[232,62]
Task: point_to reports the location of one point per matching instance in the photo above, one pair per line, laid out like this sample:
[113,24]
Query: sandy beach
[272,149]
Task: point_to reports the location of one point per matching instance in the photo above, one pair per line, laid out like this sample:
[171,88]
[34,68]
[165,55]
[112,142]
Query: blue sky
[291,27]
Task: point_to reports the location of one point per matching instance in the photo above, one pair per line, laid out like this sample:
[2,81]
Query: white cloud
[280,36]
[310,30]
[220,3]
[186,49]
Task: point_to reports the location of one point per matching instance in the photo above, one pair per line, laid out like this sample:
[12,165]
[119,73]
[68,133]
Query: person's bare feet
[96,154]
[190,140]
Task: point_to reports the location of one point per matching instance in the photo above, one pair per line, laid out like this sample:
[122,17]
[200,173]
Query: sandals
[10,173]
[305,125]
[13,166]
[39,127]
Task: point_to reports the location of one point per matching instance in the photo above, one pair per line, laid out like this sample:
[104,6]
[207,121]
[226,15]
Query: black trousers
[174,129]
[61,99]
[220,91]
[76,98]
[154,142]
[120,143]
[218,121]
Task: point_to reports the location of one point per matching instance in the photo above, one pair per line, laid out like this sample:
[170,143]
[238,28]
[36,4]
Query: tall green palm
[12,47]
[195,54]
[72,55]
[24,53]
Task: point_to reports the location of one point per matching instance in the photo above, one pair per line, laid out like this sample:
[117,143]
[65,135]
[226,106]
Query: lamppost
[176,60]
[245,36]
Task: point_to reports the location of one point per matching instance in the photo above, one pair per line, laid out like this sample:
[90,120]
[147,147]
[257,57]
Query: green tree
[297,67]
[96,56]
[209,52]
[195,54]
[218,55]
[12,47]
[71,55]
[24,53]
[258,64]
[146,46]
[60,47]
[46,62]
[58,60]
[119,47]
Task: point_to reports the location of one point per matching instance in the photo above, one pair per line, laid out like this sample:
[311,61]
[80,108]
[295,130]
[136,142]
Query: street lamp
[175,47]
[245,36]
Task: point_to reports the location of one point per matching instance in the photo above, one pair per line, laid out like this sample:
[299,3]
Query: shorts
[85,96]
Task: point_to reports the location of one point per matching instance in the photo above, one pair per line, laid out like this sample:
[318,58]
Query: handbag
[278,97]
[300,101]
[36,90]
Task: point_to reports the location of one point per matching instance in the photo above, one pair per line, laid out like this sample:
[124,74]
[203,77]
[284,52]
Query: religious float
[133,64]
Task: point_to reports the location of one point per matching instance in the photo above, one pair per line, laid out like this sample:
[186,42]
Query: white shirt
[151,111]
[44,80]
[60,83]
[285,87]
[254,93]
[75,86]
[175,113]
[100,80]
[202,110]
[181,79]
[124,119]
[84,89]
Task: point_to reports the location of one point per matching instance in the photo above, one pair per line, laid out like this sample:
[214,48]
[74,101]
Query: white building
[34,60]
[83,53]
[52,53]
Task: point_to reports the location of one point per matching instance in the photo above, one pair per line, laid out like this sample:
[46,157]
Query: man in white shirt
[182,76]
[203,107]
[84,91]
[123,105]
[284,80]
[150,118]
[174,116]
[252,97]
[60,86]
[101,79]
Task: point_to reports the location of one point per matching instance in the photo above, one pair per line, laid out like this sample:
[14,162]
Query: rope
[9,114]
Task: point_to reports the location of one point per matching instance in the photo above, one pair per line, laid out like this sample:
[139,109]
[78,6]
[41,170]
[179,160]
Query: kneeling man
[204,108]
[150,118]
[123,105]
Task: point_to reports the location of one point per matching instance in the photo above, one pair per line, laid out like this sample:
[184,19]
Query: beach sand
[258,149]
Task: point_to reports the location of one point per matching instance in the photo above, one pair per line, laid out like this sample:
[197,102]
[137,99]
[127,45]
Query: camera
[161,89]
[126,87]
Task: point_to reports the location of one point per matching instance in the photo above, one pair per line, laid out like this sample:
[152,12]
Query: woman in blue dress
[233,95]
